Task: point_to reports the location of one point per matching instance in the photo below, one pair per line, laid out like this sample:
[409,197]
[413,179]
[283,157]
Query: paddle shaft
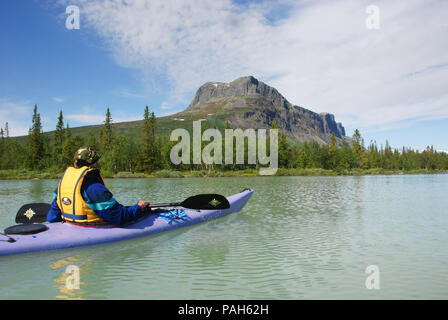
[160,205]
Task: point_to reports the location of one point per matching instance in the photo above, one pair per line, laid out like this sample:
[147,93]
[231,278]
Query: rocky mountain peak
[248,102]
[241,87]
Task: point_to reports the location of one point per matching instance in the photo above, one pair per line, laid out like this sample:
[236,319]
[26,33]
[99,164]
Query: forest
[46,156]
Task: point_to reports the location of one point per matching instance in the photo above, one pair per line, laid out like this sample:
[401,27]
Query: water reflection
[82,262]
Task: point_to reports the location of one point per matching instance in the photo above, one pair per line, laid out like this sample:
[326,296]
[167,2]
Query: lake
[297,238]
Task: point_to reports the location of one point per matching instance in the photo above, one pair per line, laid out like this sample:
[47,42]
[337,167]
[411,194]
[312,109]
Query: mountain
[246,103]
[249,103]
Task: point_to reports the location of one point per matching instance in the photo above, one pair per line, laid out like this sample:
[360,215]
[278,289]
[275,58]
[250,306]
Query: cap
[86,155]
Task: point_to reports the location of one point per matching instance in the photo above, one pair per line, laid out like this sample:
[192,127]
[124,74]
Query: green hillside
[133,129]
[307,140]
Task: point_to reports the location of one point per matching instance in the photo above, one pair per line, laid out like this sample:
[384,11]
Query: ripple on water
[298,237]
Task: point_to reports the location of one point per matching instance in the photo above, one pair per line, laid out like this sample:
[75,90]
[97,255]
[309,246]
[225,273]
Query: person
[82,198]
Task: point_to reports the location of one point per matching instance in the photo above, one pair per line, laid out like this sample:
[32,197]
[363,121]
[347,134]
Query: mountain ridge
[249,103]
[245,103]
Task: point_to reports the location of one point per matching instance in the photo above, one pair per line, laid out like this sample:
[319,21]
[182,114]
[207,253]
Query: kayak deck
[64,235]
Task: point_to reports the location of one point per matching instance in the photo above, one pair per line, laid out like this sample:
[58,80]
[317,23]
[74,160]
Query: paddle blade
[206,202]
[33,213]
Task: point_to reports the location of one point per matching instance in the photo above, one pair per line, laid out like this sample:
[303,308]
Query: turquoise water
[297,238]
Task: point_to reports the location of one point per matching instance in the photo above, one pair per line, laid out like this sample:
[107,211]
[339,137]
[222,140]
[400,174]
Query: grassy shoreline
[22,174]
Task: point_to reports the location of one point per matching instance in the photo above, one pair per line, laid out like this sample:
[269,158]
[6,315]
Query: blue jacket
[100,200]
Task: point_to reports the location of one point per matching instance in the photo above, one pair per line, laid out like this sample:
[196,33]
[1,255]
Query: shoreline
[281,172]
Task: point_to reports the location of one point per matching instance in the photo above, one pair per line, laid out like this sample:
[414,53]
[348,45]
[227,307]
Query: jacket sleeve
[54,214]
[101,200]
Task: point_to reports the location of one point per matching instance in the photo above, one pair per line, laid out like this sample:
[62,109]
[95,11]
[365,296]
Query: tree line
[351,155]
[151,152]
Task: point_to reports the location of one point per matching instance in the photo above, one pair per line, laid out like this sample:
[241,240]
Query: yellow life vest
[69,198]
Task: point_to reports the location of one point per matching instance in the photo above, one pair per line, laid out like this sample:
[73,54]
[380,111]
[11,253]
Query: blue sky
[46,64]
[389,83]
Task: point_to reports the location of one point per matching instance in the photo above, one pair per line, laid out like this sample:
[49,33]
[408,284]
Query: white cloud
[128,118]
[14,112]
[319,55]
[165,106]
[58,99]
[126,93]
[84,118]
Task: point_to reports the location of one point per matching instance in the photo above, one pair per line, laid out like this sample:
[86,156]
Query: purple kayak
[64,235]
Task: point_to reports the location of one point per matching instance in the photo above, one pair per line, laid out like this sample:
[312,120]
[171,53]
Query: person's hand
[144,204]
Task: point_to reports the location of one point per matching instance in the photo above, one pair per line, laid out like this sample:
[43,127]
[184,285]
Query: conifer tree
[106,138]
[359,151]
[284,152]
[333,153]
[6,131]
[59,133]
[148,143]
[8,158]
[58,141]
[35,141]
[345,156]
[2,147]
[303,157]
[67,148]
[92,140]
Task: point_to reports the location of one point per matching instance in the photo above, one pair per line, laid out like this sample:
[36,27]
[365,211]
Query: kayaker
[81,197]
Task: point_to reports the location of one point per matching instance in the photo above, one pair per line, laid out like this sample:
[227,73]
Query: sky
[378,66]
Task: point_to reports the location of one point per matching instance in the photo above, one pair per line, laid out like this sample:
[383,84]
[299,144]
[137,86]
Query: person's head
[85,156]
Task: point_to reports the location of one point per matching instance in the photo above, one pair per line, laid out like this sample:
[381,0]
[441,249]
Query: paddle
[37,212]
[33,213]
[199,202]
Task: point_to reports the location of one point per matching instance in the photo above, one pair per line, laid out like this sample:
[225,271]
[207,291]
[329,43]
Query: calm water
[297,238]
